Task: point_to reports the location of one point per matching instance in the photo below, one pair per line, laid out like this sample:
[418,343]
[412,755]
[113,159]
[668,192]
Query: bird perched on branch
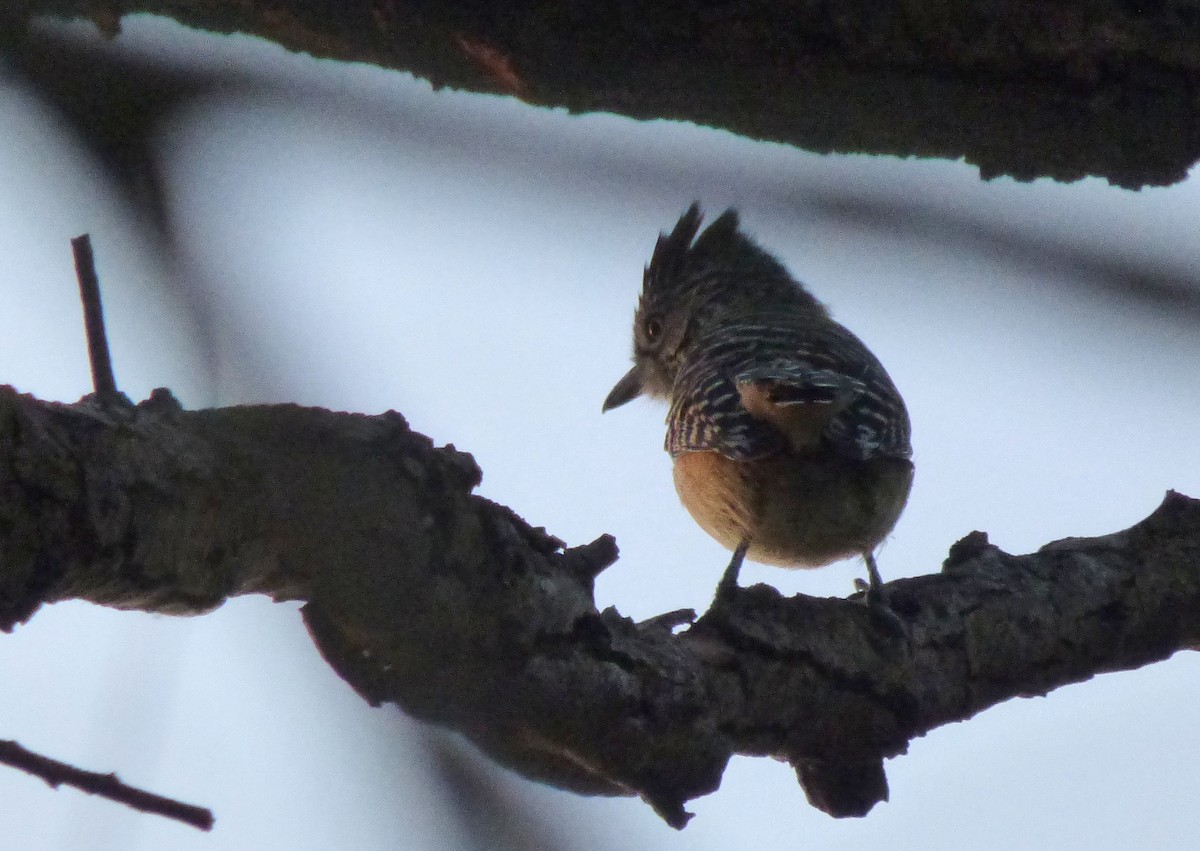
[790,442]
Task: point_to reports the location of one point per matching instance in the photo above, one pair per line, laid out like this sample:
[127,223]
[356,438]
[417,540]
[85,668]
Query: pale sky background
[366,243]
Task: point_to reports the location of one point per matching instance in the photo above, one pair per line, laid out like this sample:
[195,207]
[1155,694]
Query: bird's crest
[719,267]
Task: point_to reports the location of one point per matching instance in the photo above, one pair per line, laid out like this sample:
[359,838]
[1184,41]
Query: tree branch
[1063,89]
[103,380]
[109,786]
[419,593]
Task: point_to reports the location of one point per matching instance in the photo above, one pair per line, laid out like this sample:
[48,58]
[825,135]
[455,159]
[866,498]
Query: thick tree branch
[1065,89]
[420,593]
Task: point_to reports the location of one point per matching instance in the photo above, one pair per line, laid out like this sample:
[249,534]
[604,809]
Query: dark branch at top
[1063,90]
[420,593]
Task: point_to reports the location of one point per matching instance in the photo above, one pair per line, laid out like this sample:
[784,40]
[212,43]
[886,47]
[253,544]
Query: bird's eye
[653,328]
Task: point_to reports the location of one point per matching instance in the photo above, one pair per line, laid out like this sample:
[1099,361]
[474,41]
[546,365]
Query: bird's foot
[872,592]
[873,596]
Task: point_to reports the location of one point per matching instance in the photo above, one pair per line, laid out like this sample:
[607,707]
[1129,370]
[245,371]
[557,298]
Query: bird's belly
[718,493]
[797,509]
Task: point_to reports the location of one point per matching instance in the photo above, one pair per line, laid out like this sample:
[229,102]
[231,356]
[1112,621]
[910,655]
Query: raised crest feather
[671,250]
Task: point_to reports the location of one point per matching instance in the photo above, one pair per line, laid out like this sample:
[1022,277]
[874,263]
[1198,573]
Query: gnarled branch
[1063,89]
[420,593]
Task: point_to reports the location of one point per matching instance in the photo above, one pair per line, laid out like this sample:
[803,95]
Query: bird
[790,443]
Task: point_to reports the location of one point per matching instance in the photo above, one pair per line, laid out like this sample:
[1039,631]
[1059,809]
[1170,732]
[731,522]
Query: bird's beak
[627,389]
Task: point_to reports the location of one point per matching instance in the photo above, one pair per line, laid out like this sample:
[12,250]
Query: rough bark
[1063,89]
[420,593]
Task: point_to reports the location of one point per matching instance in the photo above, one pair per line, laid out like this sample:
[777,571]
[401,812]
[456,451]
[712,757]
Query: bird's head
[691,284]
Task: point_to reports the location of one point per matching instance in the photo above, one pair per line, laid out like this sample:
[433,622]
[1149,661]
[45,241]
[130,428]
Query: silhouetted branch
[420,593]
[57,774]
[1060,89]
[103,380]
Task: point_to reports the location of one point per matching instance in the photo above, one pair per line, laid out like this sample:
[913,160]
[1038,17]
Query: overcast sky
[474,263]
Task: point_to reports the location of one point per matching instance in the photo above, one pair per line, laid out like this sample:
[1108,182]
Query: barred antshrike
[790,442]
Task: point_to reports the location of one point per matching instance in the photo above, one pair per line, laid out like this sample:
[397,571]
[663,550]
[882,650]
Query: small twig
[103,381]
[669,620]
[57,773]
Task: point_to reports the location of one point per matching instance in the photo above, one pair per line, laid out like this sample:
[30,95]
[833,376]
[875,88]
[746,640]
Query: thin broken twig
[109,786]
[103,380]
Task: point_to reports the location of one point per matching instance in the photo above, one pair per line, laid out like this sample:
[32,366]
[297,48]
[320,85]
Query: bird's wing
[769,385]
[707,414]
[797,398]
[874,421]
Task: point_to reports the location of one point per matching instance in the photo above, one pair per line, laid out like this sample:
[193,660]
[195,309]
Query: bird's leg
[877,602]
[872,591]
[876,582]
[729,580]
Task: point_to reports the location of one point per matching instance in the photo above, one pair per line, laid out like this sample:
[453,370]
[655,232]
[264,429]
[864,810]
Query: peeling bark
[1064,89]
[420,593]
